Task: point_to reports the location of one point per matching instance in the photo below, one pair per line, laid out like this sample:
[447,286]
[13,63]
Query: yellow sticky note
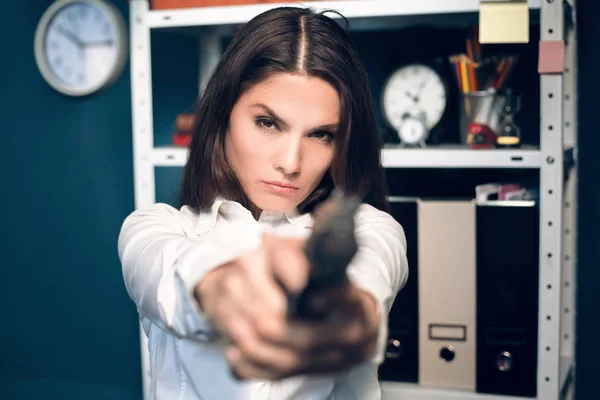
[504,22]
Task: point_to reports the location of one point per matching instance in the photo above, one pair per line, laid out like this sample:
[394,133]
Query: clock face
[80,47]
[412,131]
[411,91]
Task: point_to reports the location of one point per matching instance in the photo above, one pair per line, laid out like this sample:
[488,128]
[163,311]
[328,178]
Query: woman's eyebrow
[271,115]
[327,127]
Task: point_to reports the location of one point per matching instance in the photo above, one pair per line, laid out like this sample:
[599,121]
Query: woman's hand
[247,303]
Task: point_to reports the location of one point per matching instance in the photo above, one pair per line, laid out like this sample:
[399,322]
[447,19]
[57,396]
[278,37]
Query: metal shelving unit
[558,132]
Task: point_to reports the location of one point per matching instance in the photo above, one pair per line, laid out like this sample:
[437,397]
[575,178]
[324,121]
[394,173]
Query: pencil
[471,70]
[465,80]
[472,77]
[470,50]
[465,88]
[497,73]
[457,73]
[504,74]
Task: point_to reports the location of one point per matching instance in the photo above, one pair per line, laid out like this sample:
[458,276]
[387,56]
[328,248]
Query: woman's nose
[288,156]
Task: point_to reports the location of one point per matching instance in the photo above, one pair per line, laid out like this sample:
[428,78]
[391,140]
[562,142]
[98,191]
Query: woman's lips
[280,187]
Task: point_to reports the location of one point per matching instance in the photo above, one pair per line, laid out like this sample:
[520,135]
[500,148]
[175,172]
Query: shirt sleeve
[380,266]
[163,260]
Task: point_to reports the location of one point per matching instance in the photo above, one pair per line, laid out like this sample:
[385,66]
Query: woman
[285,117]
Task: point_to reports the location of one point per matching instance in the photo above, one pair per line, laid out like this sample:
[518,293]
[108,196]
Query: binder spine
[402,356]
[507,298]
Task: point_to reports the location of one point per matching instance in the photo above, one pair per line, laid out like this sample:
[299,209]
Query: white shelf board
[229,15]
[397,157]
[170,156]
[407,391]
[459,157]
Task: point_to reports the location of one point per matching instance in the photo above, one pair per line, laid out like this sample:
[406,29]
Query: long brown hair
[268,44]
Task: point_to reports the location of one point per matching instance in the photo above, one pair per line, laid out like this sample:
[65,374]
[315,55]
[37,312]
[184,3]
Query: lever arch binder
[447,318]
[507,297]
[401,363]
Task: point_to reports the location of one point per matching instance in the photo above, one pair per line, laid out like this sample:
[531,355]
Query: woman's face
[280,140]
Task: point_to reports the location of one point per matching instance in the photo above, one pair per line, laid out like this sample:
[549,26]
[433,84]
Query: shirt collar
[302,220]
[207,220]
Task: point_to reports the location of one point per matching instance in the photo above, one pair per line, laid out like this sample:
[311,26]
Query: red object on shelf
[182,139]
[185,122]
[480,136]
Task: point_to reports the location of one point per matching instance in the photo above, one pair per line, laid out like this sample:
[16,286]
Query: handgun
[329,250]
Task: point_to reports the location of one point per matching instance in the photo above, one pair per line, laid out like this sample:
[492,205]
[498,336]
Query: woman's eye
[265,123]
[324,135]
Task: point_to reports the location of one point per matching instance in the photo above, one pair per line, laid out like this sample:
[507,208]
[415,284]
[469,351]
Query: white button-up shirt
[165,252]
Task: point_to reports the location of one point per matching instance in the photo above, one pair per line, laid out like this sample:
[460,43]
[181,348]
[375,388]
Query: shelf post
[568,307]
[143,133]
[551,208]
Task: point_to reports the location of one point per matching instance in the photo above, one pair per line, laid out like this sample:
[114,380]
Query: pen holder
[483,110]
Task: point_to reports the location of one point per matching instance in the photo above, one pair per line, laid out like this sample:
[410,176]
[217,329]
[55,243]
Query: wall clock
[81,46]
[414,99]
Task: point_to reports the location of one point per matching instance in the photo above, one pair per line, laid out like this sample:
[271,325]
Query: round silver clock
[81,46]
[413,102]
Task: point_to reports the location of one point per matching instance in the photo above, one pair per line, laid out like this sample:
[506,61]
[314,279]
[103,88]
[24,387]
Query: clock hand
[410,96]
[99,43]
[71,37]
[419,90]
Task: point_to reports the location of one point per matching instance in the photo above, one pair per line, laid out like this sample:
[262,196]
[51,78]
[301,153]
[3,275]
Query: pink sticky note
[552,57]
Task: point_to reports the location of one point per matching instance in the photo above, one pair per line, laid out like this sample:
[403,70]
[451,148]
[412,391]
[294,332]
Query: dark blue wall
[67,328]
